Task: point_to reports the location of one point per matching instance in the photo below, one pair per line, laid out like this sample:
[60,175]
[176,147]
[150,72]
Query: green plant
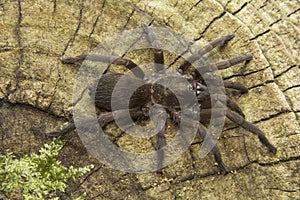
[37,174]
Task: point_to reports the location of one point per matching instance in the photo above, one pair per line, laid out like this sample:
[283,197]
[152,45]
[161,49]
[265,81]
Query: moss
[35,175]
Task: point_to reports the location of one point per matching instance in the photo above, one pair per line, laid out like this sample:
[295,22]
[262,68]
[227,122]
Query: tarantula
[154,94]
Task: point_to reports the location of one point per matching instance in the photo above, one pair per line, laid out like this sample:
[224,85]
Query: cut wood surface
[36,92]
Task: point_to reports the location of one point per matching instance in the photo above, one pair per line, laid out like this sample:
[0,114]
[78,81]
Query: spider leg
[235,85]
[233,61]
[106,59]
[156,45]
[205,114]
[67,129]
[233,106]
[204,98]
[161,142]
[218,42]
[212,80]
[203,132]
[103,119]
[158,116]
[239,120]
[224,64]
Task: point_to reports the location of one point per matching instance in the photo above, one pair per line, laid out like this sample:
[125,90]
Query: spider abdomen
[108,84]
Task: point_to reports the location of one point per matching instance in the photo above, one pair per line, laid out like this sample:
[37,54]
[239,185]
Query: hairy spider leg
[234,106]
[236,118]
[103,119]
[224,64]
[70,127]
[161,142]
[205,114]
[235,85]
[159,67]
[229,103]
[219,65]
[204,98]
[156,45]
[203,132]
[204,50]
[138,72]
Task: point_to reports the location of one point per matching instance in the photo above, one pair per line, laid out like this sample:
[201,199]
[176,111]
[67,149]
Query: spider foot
[266,142]
[72,60]
[219,160]
[67,127]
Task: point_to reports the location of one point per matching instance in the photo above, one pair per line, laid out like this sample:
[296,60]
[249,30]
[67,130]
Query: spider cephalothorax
[151,93]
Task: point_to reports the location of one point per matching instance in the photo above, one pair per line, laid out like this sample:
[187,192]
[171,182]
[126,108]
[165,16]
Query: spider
[154,94]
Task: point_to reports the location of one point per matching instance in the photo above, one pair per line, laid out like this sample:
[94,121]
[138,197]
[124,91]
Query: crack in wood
[195,5]
[285,71]
[241,8]
[246,74]
[54,8]
[129,18]
[294,12]
[77,28]
[55,88]
[285,160]
[209,25]
[291,87]
[97,18]
[29,106]
[260,34]
[20,46]
[283,190]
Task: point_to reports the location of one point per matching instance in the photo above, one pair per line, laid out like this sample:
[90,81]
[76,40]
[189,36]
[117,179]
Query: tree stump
[36,91]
